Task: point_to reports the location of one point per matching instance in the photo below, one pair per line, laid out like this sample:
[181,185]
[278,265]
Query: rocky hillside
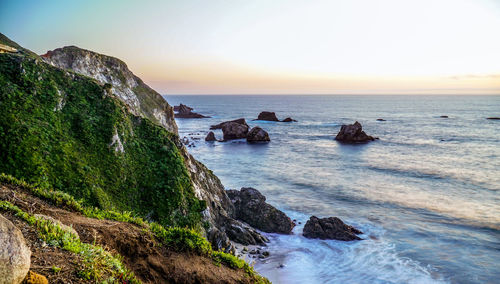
[141,99]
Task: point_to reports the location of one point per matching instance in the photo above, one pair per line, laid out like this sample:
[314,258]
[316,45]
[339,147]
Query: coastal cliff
[81,123]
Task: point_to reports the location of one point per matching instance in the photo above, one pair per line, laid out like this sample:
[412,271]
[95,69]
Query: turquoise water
[427,194]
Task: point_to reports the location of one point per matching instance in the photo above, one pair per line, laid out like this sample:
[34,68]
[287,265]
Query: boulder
[233,130]
[243,234]
[353,133]
[15,255]
[210,136]
[58,223]
[183,111]
[268,116]
[257,134]
[331,228]
[288,119]
[251,207]
[219,126]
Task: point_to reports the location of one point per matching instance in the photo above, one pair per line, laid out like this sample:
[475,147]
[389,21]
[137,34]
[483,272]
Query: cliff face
[139,97]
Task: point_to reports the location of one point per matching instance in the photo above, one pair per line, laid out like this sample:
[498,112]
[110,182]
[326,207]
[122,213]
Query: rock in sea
[219,126]
[187,112]
[251,207]
[233,130]
[210,136]
[288,119]
[353,133]
[267,116]
[258,134]
[331,228]
[15,256]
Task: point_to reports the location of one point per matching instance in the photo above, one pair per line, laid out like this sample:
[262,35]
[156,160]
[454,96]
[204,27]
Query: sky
[278,46]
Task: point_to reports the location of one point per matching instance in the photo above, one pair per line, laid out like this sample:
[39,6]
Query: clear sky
[278,46]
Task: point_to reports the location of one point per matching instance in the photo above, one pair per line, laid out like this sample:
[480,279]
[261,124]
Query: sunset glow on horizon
[279,47]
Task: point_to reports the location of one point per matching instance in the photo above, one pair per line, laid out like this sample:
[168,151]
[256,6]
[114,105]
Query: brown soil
[150,262]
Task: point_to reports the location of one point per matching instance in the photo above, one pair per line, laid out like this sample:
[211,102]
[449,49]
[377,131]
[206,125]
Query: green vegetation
[57,129]
[175,238]
[97,264]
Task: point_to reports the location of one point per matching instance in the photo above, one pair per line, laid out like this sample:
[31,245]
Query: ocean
[426,195]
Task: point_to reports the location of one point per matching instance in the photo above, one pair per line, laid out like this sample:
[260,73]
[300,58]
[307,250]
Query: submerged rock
[353,133]
[267,116]
[233,130]
[258,134]
[443,116]
[493,118]
[331,228]
[289,119]
[220,125]
[251,207]
[210,136]
[183,111]
[15,256]
[380,119]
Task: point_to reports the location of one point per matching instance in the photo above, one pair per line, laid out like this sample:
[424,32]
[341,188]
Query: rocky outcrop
[242,233]
[130,89]
[353,133]
[210,137]
[267,116]
[289,119]
[220,125]
[251,207]
[257,134]
[331,228]
[14,253]
[233,130]
[183,111]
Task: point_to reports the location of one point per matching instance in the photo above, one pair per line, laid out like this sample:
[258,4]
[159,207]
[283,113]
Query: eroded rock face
[233,130]
[267,116]
[258,134]
[15,256]
[331,228]
[124,85]
[251,207]
[220,125]
[243,234]
[210,136]
[353,133]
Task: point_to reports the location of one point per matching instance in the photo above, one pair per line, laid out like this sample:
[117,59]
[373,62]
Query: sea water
[426,195]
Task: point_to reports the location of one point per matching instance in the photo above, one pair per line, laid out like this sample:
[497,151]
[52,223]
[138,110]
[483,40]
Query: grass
[175,238]
[97,264]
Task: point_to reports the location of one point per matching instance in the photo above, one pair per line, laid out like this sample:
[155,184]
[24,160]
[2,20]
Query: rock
[187,112]
[443,116]
[243,234]
[266,253]
[353,133]
[268,116]
[35,278]
[57,222]
[257,134]
[233,130]
[251,207]
[288,119]
[210,136]
[331,228]
[380,119]
[15,256]
[493,118]
[219,126]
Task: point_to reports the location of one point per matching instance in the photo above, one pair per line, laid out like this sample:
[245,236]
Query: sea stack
[353,133]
